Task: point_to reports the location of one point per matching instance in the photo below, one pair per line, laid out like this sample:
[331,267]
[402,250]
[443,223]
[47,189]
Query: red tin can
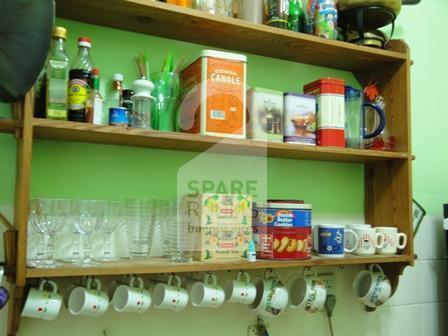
[330,101]
[283,243]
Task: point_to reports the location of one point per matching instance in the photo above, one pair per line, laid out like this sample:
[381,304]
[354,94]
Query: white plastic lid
[224,55]
[283,206]
[118,77]
[143,88]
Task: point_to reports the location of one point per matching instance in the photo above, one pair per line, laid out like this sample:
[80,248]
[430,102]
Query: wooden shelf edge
[159,265]
[7,125]
[83,132]
[190,25]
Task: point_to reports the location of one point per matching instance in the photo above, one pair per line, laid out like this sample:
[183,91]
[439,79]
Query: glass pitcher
[356,123]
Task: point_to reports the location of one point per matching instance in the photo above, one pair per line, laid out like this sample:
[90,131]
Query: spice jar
[141,101]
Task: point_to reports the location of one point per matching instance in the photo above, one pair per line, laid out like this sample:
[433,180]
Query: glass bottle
[115,95]
[95,110]
[57,77]
[296,17]
[127,104]
[80,82]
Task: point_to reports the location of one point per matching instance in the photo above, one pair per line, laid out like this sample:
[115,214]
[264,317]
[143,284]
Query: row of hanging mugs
[268,296]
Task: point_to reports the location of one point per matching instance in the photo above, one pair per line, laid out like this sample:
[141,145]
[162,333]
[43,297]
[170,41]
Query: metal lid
[60,32]
[224,55]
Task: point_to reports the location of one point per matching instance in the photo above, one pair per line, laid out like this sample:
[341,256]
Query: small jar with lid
[141,103]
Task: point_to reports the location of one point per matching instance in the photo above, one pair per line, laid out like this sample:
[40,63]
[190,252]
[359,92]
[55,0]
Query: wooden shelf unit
[160,265]
[74,131]
[388,189]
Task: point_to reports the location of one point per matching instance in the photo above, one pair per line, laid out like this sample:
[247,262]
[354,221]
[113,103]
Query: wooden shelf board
[169,21]
[160,265]
[7,125]
[83,132]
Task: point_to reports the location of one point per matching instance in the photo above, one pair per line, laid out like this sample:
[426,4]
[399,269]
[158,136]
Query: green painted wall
[63,169]
[96,171]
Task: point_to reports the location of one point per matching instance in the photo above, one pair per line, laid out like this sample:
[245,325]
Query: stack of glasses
[83,218]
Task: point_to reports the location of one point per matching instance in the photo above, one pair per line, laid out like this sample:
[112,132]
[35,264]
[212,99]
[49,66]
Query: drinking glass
[74,252]
[88,216]
[166,98]
[140,226]
[176,234]
[164,208]
[51,216]
[114,217]
[33,223]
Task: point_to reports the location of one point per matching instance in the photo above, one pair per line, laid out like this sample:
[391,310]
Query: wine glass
[114,217]
[33,223]
[51,215]
[88,215]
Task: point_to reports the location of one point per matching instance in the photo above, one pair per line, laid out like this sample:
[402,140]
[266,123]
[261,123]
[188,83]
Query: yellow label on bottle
[78,93]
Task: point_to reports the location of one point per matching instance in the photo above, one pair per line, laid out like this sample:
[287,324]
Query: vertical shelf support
[23,113]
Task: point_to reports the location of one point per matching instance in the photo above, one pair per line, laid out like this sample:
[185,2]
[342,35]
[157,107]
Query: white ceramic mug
[368,241]
[240,290]
[349,239]
[131,299]
[393,240]
[307,292]
[88,301]
[207,293]
[43,304]
[372,288]
[272,296]
[170,296]
[330,240]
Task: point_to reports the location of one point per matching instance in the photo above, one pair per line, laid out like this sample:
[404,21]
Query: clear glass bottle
[79,85]
[57,77]
[95,110]
[83,60]
[115,96]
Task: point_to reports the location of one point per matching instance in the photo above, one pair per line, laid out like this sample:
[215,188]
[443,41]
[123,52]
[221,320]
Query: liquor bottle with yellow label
[57,77]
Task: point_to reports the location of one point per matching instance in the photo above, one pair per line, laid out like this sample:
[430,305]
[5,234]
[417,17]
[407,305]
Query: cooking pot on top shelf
[392,5]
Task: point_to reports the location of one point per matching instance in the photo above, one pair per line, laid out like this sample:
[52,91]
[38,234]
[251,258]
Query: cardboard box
[221,224]
[266,115]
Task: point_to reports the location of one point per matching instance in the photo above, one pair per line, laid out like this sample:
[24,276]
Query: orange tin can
[214,95]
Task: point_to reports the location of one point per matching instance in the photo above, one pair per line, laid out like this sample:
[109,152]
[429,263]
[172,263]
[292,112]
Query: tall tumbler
[140,226]
[177,237]
[165,100]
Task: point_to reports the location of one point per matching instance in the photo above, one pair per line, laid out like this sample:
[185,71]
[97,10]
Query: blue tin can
[118,116]
[282,215]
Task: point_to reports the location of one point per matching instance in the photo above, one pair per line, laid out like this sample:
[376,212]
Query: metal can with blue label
[118,116]
[325,19]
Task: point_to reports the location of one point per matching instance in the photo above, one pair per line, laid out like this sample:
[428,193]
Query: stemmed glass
[114,216]
[88,215]
[51,215]
[33,223]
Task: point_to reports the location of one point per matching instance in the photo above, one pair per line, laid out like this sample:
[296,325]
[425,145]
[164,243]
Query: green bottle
[57,77]
[296,17]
